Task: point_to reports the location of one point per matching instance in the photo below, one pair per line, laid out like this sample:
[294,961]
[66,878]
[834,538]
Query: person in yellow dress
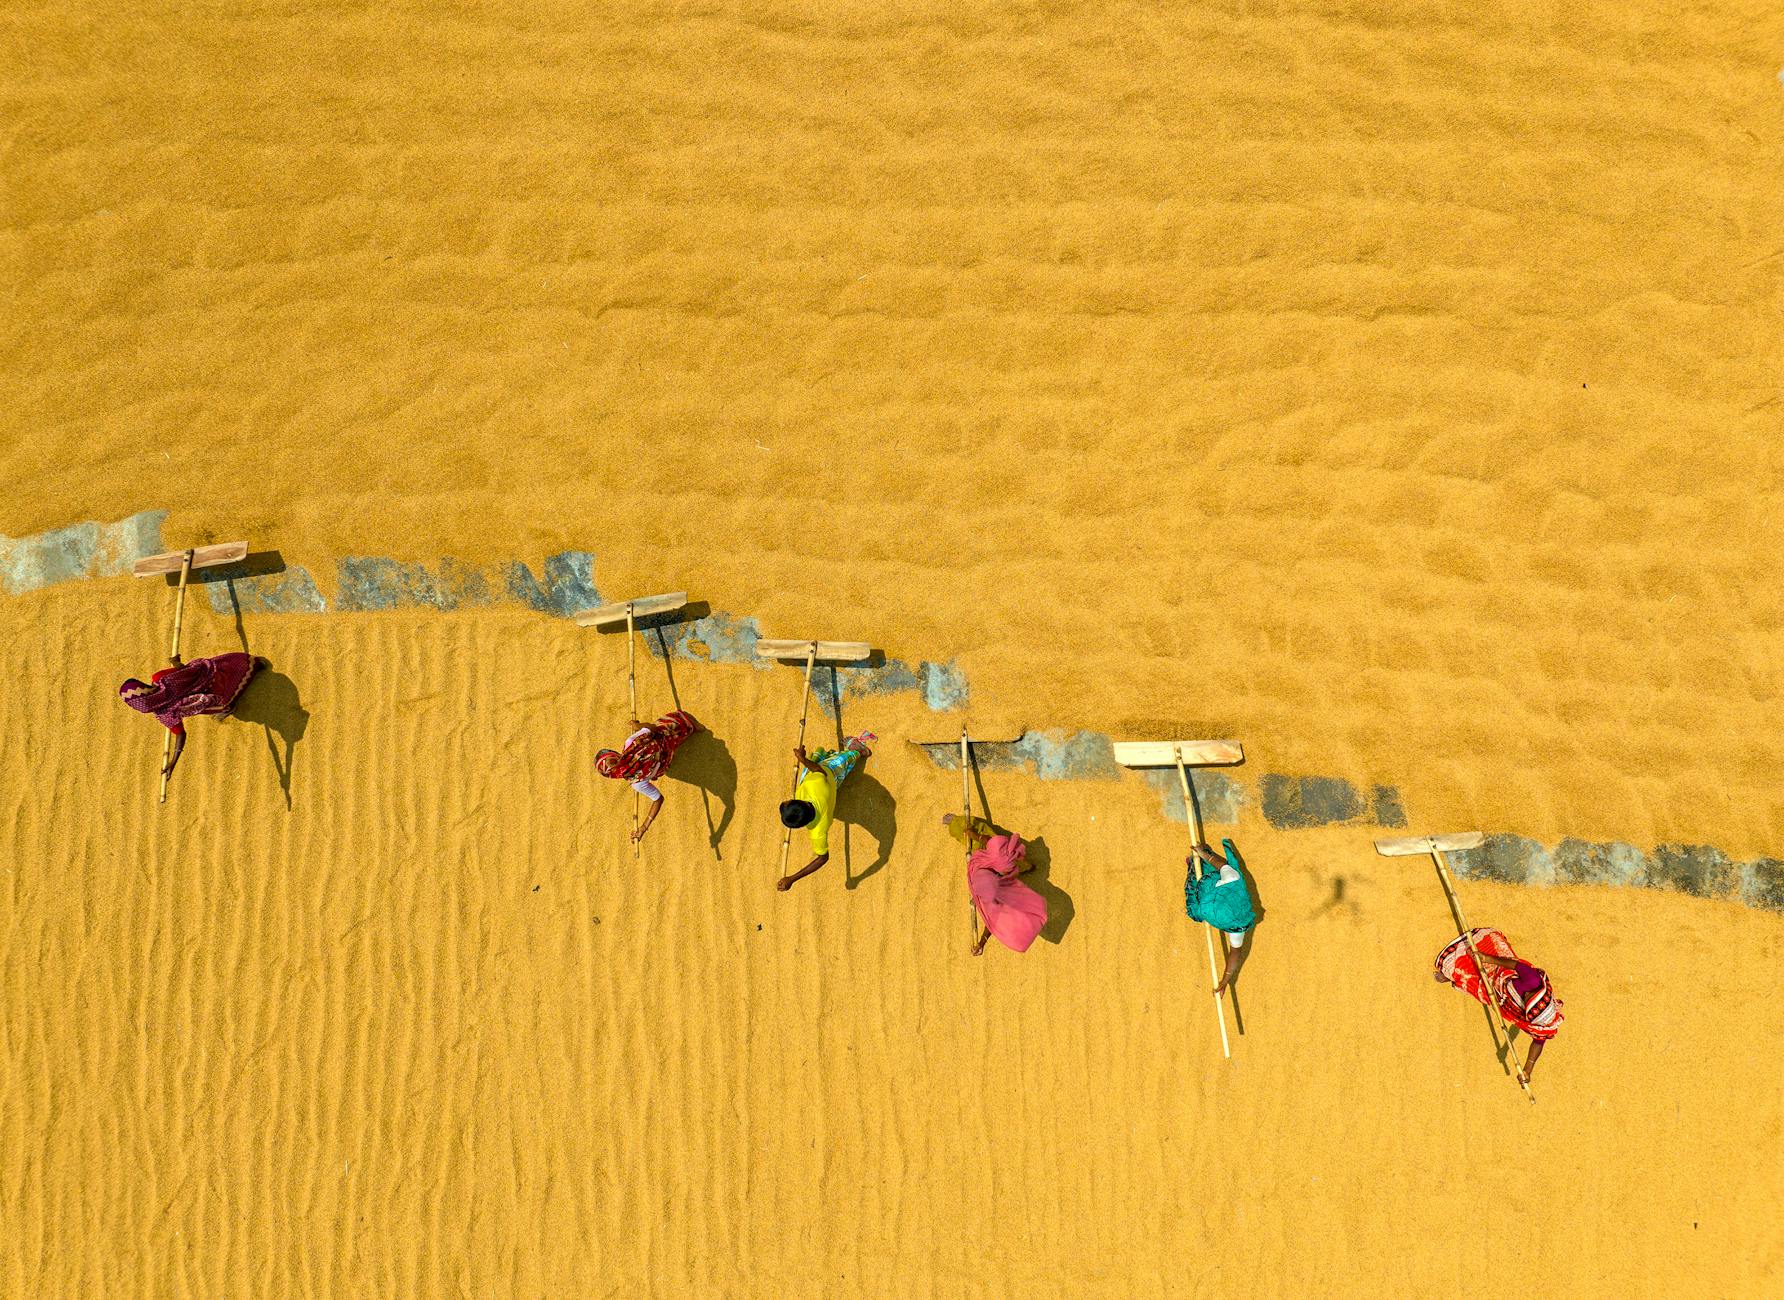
[813,805]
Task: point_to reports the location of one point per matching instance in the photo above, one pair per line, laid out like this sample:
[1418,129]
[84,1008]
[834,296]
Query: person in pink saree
[1008,908]
[189,690]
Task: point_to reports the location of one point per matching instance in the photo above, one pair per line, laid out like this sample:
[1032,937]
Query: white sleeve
[648,790]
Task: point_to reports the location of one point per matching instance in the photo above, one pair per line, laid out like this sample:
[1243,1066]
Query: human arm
[787,882]
[804,762]
[1207,856]
[179,747]
[1536,1046]
[1235,958]
[656,806]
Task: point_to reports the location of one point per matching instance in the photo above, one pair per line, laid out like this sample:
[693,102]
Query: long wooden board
[1453,843]
[1163,753]
[829,652]
[203,557]
[642,608]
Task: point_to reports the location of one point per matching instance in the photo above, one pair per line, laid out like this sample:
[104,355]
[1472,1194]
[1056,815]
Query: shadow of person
[270,699]
[705,763]
[864,802]
[860,801]
[1340,899]
[1060,908]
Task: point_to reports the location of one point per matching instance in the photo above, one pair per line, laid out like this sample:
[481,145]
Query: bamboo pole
[966,802]
[1196,841]
[811,658]
[179,615]
[632,690]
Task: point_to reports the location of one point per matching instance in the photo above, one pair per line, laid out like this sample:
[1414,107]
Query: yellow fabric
[819,790]
[982,829]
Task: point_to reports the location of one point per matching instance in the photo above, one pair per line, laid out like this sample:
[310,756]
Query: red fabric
[647,757]
[201,686]
[1537,1014]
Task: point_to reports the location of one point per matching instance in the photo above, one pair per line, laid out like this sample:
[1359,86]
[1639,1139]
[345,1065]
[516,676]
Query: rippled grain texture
[1392,386]
[432,1031]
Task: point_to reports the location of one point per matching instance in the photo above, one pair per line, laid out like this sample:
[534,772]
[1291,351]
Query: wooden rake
[1437,846]
[1184,754]
[831,652]
[183,562]
[629,612]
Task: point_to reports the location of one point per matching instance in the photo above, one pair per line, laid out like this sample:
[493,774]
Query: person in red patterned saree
[1526,998]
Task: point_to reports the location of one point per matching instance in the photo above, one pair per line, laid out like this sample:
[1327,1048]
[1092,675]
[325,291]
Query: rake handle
[966,803]
[179,616]
[1196,841]
[179,604]
[1481,971]
[1189,799]
[632,690]
[811,658]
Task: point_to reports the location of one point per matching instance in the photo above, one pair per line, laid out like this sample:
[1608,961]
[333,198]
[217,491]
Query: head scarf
[1529,980]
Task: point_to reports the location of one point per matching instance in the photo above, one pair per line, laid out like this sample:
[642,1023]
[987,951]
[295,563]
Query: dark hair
[795,813]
